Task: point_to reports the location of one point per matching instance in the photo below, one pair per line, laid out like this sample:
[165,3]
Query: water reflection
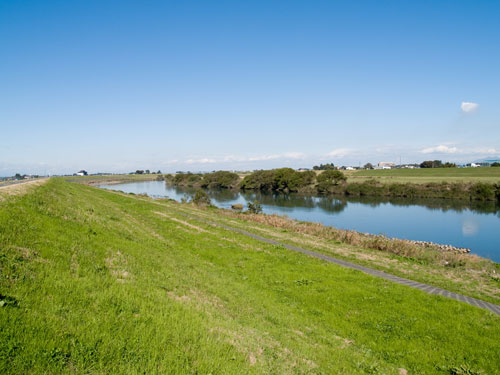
[470,227]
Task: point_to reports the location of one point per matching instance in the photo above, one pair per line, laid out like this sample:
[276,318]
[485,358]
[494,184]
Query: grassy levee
[97,282]
[466,274]
[112,178]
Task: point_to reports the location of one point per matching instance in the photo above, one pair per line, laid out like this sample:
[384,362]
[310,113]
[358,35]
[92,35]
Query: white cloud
[486,150]
[468,107]
[233,158]
[339,153]
[294,155]
[286,155]
[441,149]
[201,161]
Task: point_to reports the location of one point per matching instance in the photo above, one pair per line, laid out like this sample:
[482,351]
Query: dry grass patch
[19,189]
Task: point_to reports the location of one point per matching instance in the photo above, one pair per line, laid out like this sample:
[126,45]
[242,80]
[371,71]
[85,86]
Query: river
[474,225]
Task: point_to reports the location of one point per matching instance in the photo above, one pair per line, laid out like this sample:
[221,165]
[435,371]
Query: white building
[385,165]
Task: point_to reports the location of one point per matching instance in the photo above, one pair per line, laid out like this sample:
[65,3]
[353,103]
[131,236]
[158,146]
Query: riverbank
[93,279]
[463,184]
[454,261]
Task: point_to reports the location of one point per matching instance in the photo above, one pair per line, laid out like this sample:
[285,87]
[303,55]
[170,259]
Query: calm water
[475,226]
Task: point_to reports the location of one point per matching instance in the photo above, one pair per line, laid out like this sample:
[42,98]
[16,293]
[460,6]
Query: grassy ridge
[97,282]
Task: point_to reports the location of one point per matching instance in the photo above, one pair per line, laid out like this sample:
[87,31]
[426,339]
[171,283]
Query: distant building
[385,165]
[82,173]
[484,163]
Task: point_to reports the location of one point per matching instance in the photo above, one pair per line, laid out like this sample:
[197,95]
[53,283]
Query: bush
[482,191]
[255,207]
[328,179]
[259,180]
[220,179]
[201,198]
[282,179]
[187,179]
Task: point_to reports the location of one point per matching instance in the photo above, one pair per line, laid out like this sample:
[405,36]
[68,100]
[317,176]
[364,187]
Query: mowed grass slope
[426,175]
[95,282]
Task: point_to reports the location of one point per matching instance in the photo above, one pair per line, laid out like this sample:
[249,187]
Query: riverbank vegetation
[336,182]
[214,180]
[449,183]
[282,179]
[95,282]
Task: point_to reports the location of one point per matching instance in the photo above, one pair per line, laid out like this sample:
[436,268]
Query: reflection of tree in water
[331,204]
[335,204]
[280,199]
[458,205]
[223,195]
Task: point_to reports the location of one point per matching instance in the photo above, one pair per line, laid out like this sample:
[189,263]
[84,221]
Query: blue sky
[183,85]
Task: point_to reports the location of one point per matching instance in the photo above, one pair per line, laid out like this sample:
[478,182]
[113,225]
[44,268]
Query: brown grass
[19,189]
[391,245]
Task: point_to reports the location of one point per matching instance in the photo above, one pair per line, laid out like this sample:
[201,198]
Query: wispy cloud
[340,152]
[486,151]
[242,159]
[469,107]
[441,149]
[201,161]
[286,155]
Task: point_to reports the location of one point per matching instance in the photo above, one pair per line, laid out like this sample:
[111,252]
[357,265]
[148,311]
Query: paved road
[413,284]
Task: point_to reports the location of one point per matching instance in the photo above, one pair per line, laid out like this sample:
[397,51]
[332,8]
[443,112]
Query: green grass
[425,175]
[95,282]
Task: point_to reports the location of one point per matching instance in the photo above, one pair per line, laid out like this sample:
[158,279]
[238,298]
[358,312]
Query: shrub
[220,179]
[255,207]
[329,179]
[282,179]
[259,180]
[201,198]
[186,179]
[482,191]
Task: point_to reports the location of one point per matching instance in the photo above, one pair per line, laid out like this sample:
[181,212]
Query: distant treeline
[288,180]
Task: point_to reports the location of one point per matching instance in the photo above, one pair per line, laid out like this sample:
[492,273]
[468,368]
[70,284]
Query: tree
[220,180]
[495,164]
[431,164]
[201,198]
[329,179]
[147,171]
[324,167]
[368,166]
[139,171]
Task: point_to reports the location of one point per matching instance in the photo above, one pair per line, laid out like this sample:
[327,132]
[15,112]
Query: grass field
[97,282]
[425,175]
